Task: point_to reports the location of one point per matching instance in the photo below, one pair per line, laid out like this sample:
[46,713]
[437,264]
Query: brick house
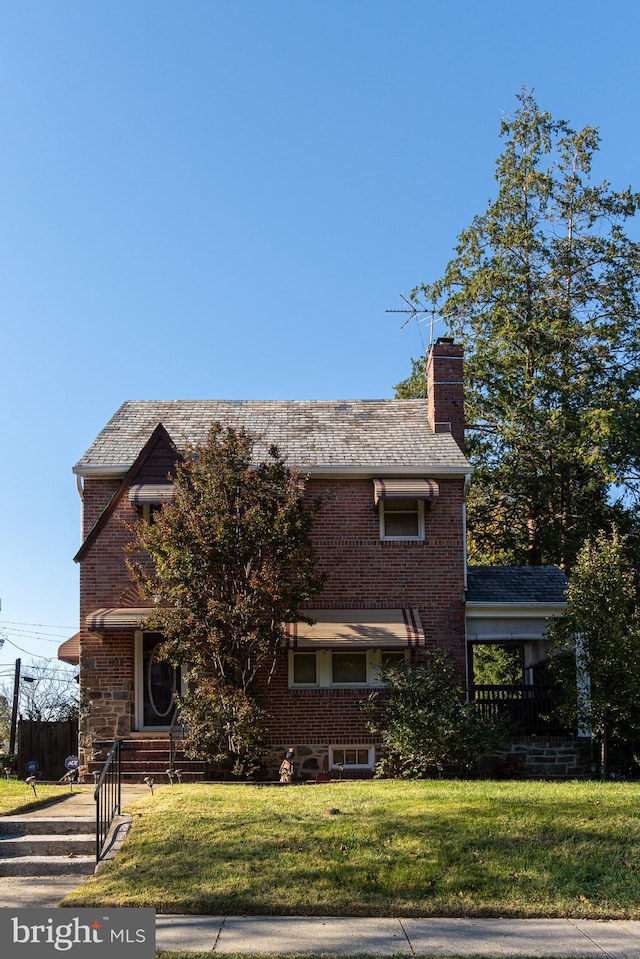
[390,538]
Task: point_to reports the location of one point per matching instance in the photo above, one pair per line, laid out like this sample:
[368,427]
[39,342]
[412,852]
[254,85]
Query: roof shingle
[516,584]
[311,434]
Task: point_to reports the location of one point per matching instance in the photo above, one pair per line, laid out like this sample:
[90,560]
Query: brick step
[154,755]
[137,772]
[158,765]
[161,778]
[148,757]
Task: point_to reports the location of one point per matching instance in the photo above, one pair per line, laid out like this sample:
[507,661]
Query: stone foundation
[546,757]
[310,762]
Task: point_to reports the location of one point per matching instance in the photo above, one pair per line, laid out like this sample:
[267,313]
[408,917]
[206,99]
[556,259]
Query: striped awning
[404,489]
[368,628]
[130,617]
[151,494]
[69,651]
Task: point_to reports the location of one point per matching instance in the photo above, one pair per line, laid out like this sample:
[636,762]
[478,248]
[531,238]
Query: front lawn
[16,796]
[445,848]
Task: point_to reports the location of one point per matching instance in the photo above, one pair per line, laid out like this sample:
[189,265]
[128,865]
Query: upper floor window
[148,498]
[402,519]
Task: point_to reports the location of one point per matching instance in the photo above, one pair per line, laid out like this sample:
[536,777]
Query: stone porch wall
[549,757]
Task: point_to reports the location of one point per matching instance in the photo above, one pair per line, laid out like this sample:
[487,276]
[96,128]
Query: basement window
[351,757]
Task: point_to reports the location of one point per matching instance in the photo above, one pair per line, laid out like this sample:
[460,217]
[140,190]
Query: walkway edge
[345,936]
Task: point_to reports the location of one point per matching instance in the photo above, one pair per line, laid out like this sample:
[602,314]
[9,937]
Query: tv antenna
[416,310]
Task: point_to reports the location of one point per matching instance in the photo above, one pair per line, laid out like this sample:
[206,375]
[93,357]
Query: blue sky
[217,200]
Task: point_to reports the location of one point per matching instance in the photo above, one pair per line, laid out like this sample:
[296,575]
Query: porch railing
[529,709]
[107,795]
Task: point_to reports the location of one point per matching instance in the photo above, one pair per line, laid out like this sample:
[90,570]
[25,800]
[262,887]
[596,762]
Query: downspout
[80,489]
[467,480]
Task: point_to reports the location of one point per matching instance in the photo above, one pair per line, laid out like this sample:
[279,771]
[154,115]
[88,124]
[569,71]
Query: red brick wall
[365,572]
[362,572]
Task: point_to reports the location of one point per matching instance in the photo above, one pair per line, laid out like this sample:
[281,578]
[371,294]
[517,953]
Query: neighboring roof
[69,651]
[516,584]
[315,435]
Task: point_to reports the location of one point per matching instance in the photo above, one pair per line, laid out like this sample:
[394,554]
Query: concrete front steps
[39,846]
[142,758]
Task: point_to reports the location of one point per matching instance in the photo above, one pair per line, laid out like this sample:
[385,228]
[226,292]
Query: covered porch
[508,610]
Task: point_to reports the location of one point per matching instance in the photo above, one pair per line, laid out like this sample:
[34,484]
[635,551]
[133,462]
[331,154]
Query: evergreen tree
[231,562]
[543,291]
[597,648]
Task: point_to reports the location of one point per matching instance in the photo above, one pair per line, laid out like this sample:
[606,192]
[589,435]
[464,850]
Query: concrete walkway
[45,892]
[557,938]
[399,937]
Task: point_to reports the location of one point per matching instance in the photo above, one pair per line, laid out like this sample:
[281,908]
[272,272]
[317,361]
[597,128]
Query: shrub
[423,720]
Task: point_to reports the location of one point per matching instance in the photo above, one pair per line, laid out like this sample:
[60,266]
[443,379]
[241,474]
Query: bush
[424,722]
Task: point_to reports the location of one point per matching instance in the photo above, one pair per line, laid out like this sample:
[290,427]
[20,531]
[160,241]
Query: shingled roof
[314,435]
[516,584]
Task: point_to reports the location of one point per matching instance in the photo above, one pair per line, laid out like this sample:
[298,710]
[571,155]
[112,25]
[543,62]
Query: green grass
[17,796]
[394,849]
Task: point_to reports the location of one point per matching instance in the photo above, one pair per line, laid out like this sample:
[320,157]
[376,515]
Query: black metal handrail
[107,795]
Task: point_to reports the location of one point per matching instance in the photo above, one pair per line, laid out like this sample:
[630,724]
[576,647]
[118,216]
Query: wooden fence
[48,744]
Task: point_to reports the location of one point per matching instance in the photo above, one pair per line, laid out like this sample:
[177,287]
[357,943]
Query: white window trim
[407,539]
[371,751]
[324,669]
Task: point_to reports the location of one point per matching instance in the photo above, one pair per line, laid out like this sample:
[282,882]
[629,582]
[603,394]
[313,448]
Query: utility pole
[14,712]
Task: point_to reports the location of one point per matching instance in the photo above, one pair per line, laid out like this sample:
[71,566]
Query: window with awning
[401,505]
[129,617]
[357,628]
[69,651]
[151,494]
[410,489]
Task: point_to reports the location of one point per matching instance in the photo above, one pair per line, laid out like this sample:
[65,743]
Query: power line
[27,633]
[27,651]
[8,622]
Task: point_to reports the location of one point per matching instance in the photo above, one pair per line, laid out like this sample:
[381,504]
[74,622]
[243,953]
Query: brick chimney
[445,391]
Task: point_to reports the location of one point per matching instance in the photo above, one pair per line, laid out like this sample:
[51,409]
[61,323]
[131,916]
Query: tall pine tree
[543,290]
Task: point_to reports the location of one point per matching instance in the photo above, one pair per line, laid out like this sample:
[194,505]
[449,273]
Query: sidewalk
[286,935]
[399,937]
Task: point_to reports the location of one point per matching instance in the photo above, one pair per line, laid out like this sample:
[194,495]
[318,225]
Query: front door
[156,684]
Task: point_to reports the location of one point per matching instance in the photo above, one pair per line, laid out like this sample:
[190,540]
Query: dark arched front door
[159,681]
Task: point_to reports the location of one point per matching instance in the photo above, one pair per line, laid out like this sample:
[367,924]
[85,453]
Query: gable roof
[313,435]
[516,584]
[159,439]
